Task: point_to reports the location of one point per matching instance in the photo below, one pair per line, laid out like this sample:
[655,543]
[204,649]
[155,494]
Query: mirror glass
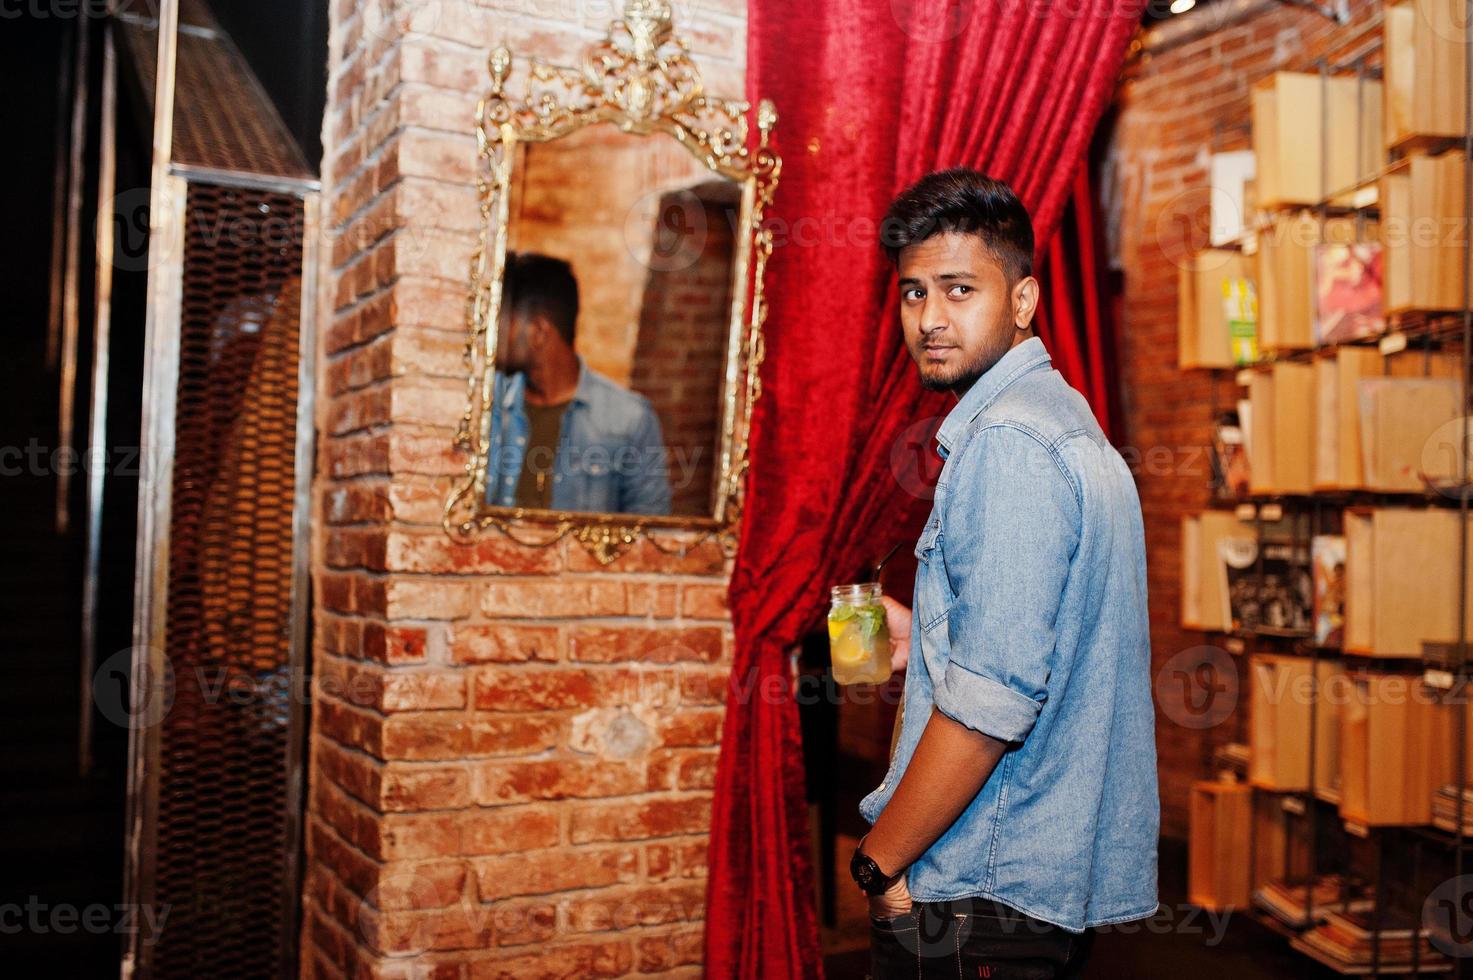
[616,326]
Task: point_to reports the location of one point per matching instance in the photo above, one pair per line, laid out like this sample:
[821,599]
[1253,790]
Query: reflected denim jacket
[1030,625]
[610,455]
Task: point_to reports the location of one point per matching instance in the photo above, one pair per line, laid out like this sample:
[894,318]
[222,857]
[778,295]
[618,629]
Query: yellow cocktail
[859,640]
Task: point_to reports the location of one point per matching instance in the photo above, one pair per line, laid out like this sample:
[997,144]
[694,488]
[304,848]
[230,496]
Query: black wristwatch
[867,874]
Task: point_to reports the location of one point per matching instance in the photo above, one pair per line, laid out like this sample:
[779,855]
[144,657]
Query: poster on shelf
[1230,475]
[1275,600]
[1229,173]
[1240,306]
[1327,552]
[1347,292]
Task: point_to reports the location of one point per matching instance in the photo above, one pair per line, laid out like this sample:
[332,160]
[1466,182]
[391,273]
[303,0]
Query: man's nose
[934,315]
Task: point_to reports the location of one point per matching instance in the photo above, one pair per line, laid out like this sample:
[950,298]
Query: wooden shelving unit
[1342,784]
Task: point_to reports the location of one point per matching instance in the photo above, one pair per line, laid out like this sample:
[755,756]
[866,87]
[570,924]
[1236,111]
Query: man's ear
[1025,302]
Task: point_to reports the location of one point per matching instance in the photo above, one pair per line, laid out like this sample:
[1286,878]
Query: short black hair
[540,285]
[967,201]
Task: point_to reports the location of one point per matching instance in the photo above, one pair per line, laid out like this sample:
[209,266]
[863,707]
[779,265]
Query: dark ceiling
[285,42]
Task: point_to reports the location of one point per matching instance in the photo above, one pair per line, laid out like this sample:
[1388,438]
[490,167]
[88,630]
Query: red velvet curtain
[1076,311]
[871,95]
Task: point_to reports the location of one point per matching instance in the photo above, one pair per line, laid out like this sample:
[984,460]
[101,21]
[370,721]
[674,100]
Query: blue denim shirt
[1030,625]
[610,455]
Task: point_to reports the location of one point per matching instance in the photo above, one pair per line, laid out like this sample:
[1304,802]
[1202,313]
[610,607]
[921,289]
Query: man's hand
[897,621]
[895,901]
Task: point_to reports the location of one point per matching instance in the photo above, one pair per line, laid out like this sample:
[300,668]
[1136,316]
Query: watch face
[864,870]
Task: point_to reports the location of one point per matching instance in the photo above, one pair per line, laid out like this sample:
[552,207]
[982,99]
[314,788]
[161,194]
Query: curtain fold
[871,95]
[1076,314]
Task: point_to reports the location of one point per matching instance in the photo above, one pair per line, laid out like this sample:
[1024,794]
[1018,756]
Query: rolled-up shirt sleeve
[1010,530]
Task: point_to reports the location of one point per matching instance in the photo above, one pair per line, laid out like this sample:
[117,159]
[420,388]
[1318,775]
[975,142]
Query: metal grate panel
[223,832]
[223,119]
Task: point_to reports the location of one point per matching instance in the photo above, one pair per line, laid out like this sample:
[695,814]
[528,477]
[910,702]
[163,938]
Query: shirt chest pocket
[934,597]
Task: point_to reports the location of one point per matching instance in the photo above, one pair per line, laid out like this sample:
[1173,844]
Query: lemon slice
[848,652]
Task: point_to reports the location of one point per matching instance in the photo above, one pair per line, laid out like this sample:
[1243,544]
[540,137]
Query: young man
[564,436]
[1020,808]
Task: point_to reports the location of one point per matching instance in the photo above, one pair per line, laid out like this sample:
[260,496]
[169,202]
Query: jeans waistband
[986,907]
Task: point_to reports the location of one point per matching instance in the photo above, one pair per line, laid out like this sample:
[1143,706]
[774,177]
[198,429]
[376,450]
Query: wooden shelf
[1401,579]
[1291,117]
[1424,60]
[1395,742]
[1280,700]
[1421,206]
[1220,816]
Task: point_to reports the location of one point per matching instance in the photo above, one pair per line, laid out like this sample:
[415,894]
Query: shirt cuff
[985,705]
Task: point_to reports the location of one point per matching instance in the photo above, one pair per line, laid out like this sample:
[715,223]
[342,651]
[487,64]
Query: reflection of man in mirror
[564,436]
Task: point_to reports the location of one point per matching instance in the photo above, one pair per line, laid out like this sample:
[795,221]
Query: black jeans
[972,939]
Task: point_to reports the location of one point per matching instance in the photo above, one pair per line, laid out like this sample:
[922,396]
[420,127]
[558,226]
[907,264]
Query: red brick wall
[1174,108]
[680,355]
[512,748]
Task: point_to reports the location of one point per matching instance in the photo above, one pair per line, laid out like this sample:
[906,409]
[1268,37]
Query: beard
[962,375]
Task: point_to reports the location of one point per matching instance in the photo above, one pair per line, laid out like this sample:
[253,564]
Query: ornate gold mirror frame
[640,79]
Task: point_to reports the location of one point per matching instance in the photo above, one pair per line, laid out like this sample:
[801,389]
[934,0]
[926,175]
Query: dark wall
[285,42]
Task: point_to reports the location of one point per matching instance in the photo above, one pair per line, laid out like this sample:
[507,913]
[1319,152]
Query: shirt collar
[516,386]
[1016,362]
[583,394]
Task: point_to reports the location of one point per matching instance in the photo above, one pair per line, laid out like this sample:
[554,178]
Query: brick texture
[1174,106]
[513,749]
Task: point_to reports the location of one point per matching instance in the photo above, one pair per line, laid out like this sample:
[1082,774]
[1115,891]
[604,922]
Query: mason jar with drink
[859,639]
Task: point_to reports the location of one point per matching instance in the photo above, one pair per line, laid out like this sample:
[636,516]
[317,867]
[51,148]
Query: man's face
[958,310]
[513,353]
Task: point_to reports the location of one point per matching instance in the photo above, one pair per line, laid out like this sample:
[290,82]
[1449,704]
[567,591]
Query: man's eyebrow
[944,277]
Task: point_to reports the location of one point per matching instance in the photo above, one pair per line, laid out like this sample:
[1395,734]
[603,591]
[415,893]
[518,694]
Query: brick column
[512,748]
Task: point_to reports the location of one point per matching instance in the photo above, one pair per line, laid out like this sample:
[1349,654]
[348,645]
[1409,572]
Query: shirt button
[520,440]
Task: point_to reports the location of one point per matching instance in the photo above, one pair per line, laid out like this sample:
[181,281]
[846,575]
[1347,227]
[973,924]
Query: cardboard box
[1290,120]
[1423,63]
